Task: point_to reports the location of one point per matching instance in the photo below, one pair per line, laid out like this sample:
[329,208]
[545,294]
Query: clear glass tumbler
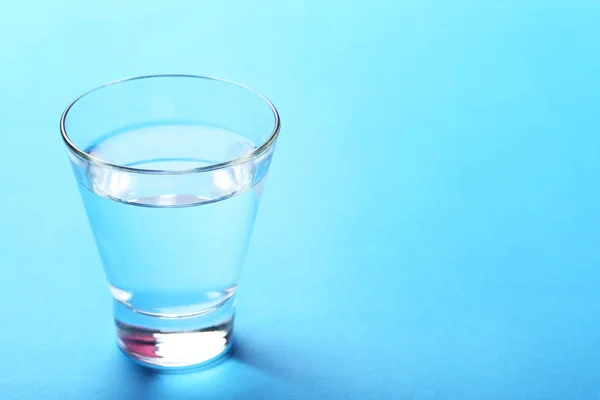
[170,169]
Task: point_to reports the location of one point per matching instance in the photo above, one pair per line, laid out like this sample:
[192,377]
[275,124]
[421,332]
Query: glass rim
[212,167]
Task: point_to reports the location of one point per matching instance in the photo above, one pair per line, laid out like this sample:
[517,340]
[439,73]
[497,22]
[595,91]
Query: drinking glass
[170,169]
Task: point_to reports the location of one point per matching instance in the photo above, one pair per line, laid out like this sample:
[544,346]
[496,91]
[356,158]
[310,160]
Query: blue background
[430,224]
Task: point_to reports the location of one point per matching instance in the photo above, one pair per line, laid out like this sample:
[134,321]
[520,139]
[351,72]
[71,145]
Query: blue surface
[431,221]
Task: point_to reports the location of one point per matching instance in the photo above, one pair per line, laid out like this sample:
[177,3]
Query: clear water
[174,255]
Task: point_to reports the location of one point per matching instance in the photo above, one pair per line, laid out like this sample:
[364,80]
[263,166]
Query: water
[172,248]
[172,261]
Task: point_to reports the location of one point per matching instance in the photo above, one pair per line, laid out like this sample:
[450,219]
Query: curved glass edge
[259,151]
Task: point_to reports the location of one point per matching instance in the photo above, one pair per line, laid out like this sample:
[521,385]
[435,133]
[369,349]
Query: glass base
[169,350]
[172,344]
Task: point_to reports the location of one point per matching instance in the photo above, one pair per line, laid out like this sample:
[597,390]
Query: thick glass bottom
[172,344]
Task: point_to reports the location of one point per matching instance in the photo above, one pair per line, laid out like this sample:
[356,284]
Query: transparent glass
[170,169]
